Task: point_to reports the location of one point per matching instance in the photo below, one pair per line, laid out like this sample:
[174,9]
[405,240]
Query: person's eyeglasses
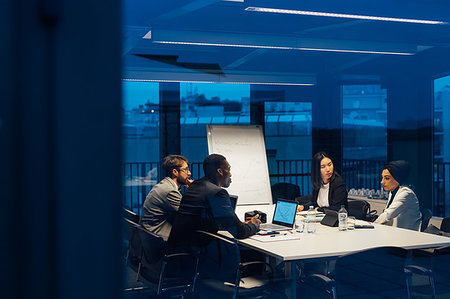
[184,169]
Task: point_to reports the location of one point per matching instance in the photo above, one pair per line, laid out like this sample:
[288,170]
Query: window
[140,140]
[441,205]
[288,142]
[364,135]
[209,103]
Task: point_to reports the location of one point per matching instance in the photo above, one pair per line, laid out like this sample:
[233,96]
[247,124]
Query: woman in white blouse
[402,209]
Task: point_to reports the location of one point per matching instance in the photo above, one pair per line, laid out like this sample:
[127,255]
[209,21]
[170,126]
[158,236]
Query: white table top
[329,241]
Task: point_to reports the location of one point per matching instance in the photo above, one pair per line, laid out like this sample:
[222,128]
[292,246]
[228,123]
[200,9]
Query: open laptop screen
[284,213]
[233,200]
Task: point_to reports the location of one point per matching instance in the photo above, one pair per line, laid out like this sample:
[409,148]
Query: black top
[392,196]
[337,195]
[206,206]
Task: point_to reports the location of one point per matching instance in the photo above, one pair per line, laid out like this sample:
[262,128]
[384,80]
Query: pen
[272,233]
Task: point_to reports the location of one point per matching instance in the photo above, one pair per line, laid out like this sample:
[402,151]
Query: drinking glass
[351,220]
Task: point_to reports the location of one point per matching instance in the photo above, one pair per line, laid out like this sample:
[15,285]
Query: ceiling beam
[238,77]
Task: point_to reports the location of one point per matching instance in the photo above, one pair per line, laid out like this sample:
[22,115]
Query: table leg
[290,274]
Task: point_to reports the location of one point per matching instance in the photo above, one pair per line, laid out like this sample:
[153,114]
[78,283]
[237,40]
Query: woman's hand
[300,208]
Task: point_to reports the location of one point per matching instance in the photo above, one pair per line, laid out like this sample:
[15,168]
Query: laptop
[283,216]
[233,200]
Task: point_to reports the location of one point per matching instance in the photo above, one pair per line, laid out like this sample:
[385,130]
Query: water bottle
[342,214]
[311,220]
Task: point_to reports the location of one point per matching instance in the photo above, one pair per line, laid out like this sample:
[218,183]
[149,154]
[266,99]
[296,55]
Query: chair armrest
[216,236]
[320,280]
[410,269]
[175,255]
[321,277]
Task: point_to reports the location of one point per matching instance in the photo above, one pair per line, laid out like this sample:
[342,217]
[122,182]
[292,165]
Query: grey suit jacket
[160,206]
[404,210]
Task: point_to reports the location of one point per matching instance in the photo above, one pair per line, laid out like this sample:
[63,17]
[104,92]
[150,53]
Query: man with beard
[162,202]
[206,206]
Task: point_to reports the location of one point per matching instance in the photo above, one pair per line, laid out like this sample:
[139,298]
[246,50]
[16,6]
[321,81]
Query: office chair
[285,190]
[361,210]
[377,272]
[130,215]
[170,271]
[317,285]
[445,225]
[429,266]
[220,274]
[133,255]
[132,243]
[426,216]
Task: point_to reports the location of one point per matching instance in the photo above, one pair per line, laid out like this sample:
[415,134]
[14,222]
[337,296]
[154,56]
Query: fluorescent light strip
[224,45]
[357,51]
[191,81]
[338,15]
[283,48]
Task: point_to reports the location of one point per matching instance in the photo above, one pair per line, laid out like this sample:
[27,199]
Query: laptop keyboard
[271,226]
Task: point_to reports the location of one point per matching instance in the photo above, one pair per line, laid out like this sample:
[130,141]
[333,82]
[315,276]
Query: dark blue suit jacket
[206,206]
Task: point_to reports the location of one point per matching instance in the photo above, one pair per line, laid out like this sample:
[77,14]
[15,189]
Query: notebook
[283,216]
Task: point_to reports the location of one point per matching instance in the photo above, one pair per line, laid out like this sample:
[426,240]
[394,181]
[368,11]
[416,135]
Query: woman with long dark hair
[329,190]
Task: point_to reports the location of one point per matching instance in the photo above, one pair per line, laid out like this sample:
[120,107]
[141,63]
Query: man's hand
[255,220]
[300,208]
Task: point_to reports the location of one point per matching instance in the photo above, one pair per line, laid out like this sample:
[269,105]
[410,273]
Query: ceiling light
[338,15]
[201,81]
[282,48]
[224,45]
[356,51]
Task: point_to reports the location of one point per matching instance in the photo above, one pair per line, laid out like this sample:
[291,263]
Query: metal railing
[362,173]
[138,180]
[140,177]
[296,172]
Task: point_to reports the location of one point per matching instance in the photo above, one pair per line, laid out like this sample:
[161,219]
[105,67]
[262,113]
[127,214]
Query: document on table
[305,213]
[277,237]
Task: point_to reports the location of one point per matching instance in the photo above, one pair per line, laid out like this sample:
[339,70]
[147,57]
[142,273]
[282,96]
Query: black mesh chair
[166,270]
[445,225]
[361,210]
[426,216]
[221,271]
[132,243]
[428,267]
[377,273]
[286,191]
[130,215]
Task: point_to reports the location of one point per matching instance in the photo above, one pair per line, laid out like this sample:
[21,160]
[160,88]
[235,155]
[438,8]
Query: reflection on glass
[209,103]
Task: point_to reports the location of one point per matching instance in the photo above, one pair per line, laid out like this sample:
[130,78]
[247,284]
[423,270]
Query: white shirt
[322,197]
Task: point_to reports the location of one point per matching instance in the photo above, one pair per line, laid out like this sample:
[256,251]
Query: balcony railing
[140,177]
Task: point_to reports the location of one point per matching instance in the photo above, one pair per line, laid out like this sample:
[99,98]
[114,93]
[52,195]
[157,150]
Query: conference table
[329,242]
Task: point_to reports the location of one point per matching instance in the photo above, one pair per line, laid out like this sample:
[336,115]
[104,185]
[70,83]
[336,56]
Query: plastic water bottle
[342,214]
[311,220]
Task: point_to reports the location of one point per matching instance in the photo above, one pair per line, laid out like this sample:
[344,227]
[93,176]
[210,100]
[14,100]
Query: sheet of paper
[277,237]
[304,213]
